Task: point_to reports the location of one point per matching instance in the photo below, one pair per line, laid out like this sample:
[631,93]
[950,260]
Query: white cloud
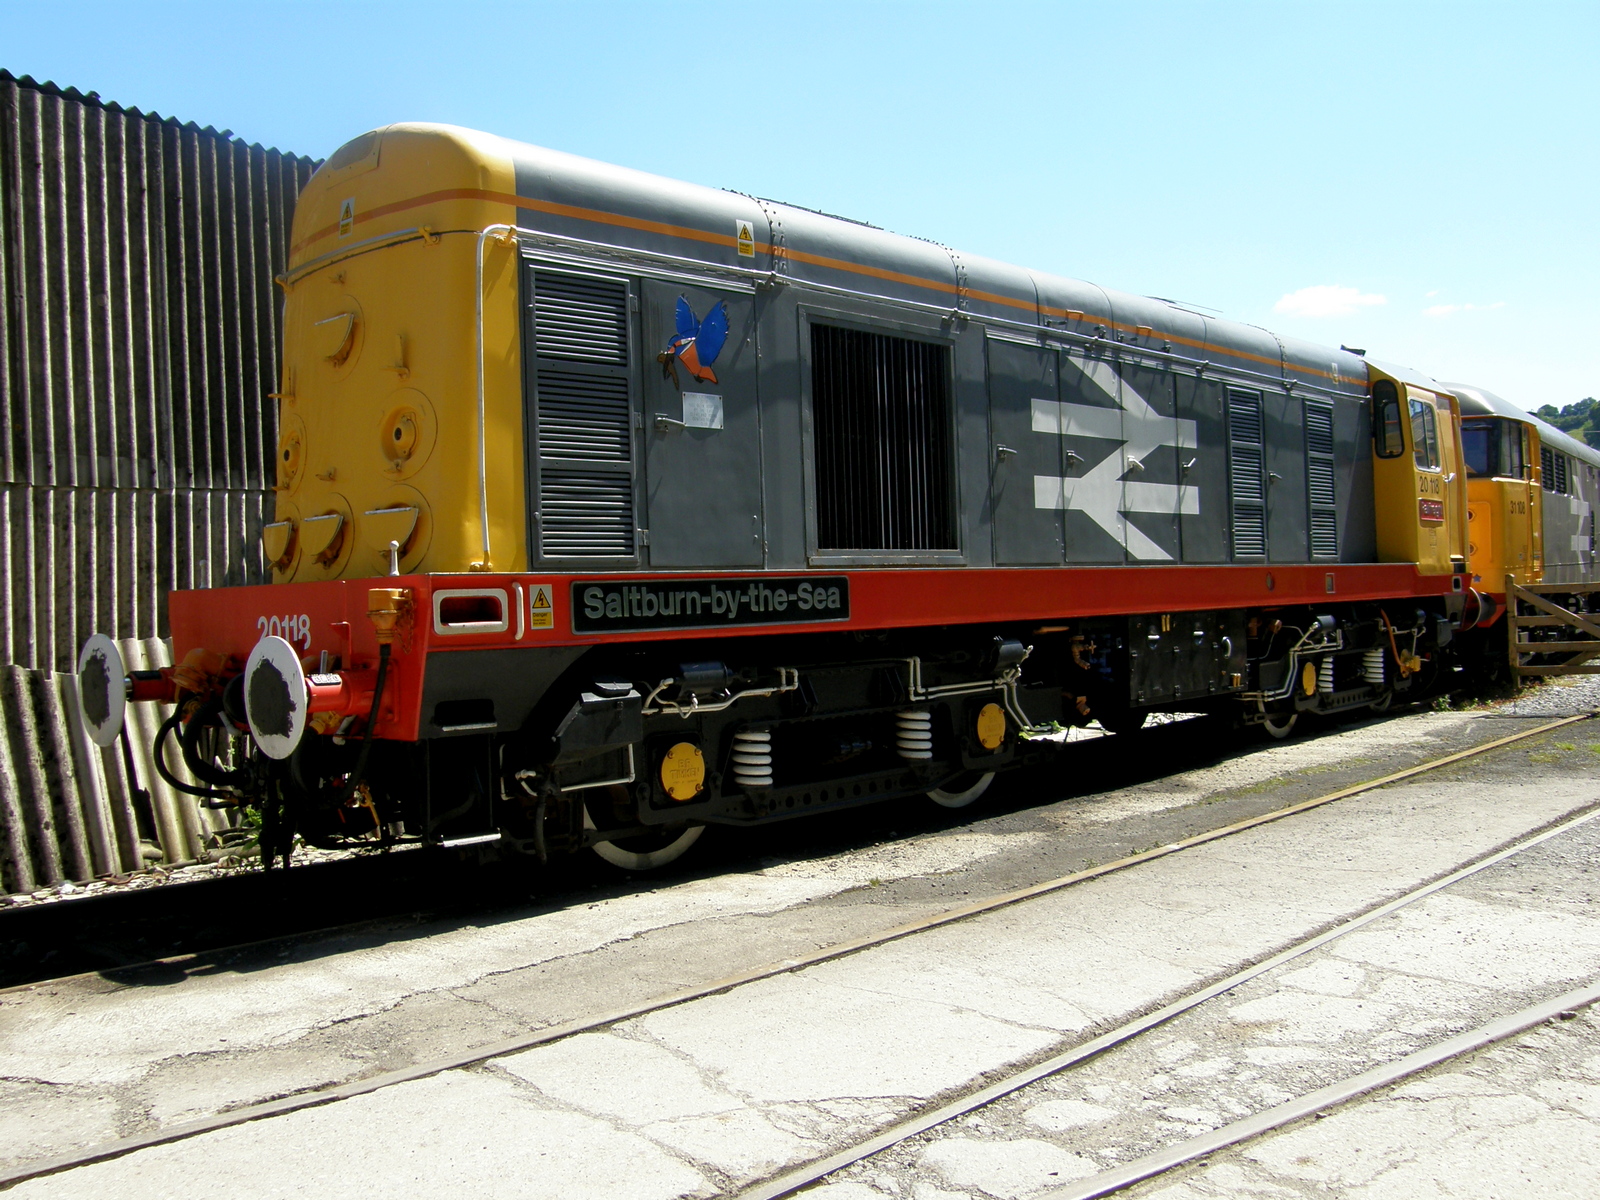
[1444,310]
[1327,300]
[1431,295]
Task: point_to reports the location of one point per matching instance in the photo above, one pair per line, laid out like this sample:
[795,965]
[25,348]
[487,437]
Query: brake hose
[366,734]
[158,755]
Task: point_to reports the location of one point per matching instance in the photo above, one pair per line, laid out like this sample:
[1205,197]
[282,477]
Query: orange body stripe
[601,217]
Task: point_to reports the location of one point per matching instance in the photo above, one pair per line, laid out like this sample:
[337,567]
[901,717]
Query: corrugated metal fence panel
[68,809]
[138,351]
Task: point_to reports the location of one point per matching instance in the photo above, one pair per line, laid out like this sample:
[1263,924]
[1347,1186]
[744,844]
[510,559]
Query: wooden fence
[1577,637]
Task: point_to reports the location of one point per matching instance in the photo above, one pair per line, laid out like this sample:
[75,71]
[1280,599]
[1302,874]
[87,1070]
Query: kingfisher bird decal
[696,344]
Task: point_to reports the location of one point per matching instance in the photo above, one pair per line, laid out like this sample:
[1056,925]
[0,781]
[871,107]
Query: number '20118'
[291,628]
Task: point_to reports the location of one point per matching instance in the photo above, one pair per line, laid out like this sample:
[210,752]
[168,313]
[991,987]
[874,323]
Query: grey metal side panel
[1092,484]
[1024,532]
[971,444]
[1288,533]
[1205,531]
[1352,457]
[784,444]
[704,485]
[1151,496]
[1566,537]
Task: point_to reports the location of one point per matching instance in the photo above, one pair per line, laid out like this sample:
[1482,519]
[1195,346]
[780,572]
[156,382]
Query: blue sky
[1421,180]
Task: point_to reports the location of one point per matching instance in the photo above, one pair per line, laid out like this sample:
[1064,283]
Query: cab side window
[1478,441]
[1425,435]
[1387,436]
[1513,461]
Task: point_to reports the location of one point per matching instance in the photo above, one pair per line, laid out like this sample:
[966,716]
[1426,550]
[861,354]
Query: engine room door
[1090,415]
[1204,470]
[702,428]
[1152,498]
[1025,460]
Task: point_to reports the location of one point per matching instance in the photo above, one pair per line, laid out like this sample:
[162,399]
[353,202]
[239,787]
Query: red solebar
[332,617]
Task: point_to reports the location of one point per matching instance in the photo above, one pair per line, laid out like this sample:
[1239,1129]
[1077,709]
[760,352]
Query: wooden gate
[1578,633]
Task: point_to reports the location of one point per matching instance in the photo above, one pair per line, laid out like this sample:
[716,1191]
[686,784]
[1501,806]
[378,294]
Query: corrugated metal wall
[138,347]
[140,335]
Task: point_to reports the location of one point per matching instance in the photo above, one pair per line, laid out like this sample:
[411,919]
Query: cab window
[1512,460]
[1479,441]
[1388,437]
[1425,434]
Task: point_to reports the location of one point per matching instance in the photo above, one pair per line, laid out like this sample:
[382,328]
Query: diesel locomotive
[610,507]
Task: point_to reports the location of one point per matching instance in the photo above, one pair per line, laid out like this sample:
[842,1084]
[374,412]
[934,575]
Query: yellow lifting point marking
[683,771]
[991,726]
[1308,679]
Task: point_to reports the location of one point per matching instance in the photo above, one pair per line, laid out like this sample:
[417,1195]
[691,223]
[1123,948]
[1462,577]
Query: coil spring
[752,758]
[1325,676]
[1372,666]
[913,736]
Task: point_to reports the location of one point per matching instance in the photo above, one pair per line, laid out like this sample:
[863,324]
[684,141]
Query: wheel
[646,851]
[1280,725]
[977,785]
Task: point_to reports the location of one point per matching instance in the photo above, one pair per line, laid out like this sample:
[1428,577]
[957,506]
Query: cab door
[702,428]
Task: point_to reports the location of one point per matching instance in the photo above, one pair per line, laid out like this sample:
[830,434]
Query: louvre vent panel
[1322,495]
[1244,417]
[1246,475]
[583,416]
[1324,534]
[1319,429]
[585,514]
[1319,481]
[1249,531]
[1247,483]
[881,420]
[580,319]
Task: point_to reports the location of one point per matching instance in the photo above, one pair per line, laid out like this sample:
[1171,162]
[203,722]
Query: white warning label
[746,233]
[347,217]
[540,614]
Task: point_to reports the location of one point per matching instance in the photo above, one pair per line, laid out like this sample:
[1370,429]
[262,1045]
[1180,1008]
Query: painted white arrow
[1101,493]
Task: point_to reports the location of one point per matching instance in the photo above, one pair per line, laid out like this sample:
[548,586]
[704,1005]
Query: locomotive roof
[1475,401]
[580,199]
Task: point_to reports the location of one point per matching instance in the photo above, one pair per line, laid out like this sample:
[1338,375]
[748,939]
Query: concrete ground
[701,1099]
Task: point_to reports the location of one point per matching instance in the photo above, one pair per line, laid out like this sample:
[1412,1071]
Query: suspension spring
[914,734]
[752,758]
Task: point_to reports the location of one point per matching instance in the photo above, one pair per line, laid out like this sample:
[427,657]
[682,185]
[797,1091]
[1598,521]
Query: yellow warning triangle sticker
[541,598]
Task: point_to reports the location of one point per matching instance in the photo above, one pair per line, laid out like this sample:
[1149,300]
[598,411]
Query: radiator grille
[1246,474]
[1319,482]
[1325,535]
[1249,532]
[1244,417]
[580,318]
[1319,428]
[1321,488]
[881,418]
[585,515]
[583,416]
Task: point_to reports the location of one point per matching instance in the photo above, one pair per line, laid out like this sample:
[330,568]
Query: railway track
[791,1182]
[795,1180]
[165,928]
